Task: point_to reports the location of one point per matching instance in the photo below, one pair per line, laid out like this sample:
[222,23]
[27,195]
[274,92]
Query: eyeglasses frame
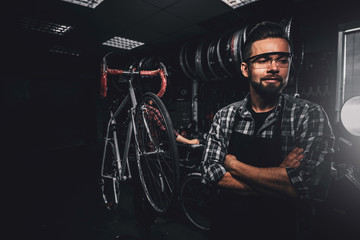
[291,55]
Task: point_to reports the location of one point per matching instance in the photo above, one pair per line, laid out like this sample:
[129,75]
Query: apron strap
[278,126]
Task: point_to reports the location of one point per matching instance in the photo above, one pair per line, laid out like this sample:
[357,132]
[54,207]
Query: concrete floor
[84,217]
[58,197]
[55,195]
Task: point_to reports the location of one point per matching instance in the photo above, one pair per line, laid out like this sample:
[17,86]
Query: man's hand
[182,139]
[293,158]
[228,160]
[194,141]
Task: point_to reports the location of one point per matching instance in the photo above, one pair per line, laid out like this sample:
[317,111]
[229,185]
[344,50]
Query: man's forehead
[270,45]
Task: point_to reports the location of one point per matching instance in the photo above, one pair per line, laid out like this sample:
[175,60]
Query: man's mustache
[272,77]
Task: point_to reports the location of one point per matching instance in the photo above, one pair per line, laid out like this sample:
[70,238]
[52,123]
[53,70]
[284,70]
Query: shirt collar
[244,112]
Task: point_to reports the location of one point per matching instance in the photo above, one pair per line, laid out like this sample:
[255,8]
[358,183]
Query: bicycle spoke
[167,180]
[163,192]
[161,170]
[154,191]
[162,174]
[158,161]
[151,172]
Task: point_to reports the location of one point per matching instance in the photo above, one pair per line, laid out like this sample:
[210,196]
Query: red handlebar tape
[103,82]
[163,79]
[103,87]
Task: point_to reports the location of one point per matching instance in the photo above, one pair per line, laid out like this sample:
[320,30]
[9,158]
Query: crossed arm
[314,134]
[250,180]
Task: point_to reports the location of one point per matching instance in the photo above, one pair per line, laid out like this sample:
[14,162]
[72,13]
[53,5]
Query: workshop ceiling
[156,23]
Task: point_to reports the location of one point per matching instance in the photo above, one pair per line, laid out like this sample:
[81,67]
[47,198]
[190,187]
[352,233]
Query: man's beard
[268,91]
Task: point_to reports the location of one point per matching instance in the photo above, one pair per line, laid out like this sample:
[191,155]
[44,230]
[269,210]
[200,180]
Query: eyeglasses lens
[264,61]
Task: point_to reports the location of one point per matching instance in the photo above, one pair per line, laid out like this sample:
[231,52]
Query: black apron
[254,217]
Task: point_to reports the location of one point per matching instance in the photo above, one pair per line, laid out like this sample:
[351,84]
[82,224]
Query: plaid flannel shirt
[304,124]
[154,115]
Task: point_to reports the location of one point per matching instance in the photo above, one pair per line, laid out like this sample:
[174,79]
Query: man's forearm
[238,186]
[273,179]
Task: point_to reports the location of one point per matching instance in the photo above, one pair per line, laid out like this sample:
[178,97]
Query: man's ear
[245,69]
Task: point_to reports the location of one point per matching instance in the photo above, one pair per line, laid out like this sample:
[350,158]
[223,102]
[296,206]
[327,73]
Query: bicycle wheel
[110,181]
[195,201]
[157,155]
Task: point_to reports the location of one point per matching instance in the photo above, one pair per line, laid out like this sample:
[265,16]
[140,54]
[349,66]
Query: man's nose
[273,66]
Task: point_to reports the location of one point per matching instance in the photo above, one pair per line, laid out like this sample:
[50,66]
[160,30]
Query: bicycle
[155,148]
[194,196]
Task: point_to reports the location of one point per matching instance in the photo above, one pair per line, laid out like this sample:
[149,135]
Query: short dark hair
[260,31]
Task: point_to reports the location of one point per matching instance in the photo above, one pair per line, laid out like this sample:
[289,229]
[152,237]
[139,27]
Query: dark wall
[52,90]
[54,115]
[53,99]
[317,79]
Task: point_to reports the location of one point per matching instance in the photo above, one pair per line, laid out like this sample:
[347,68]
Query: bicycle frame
[121,163]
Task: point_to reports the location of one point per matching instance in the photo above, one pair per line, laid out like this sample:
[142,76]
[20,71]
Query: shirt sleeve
[213,157]
[155,115]
[315,136]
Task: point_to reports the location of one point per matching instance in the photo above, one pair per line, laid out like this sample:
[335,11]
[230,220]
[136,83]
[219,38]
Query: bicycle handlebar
[104,70]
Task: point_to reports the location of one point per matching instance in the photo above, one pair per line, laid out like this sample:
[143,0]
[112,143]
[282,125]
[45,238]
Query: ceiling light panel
[44,26]
[122,43]
[238,3]
[64,50]
[86,3]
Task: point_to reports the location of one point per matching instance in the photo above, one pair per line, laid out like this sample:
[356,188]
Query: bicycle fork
[112,141]
[121,165]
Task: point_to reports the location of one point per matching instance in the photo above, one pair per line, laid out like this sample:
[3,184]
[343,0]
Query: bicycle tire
[195,201]
[157,154]
[110,181]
